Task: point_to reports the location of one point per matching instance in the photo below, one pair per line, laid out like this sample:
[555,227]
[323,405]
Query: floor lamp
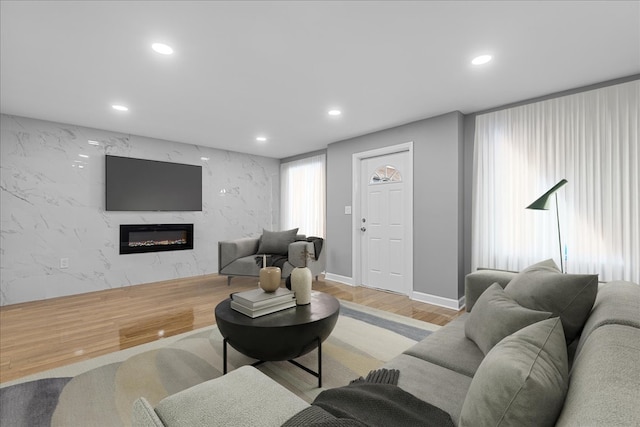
[542,203]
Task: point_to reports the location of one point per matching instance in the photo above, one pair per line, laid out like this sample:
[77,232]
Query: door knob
[363,228]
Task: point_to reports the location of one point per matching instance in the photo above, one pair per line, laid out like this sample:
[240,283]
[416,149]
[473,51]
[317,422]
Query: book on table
[253,313]
[257,298]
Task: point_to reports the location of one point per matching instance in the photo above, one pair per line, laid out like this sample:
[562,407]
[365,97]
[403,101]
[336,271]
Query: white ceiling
[242,69]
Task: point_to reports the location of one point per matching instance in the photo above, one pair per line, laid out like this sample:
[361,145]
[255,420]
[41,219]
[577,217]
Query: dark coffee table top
[283,335]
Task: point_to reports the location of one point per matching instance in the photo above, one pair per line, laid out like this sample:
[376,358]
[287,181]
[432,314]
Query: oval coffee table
[284,335]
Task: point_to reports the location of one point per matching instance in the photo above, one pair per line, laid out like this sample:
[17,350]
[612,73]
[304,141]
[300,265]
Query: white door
[385,222]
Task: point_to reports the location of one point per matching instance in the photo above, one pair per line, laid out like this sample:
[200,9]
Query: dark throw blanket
[363,403]
[317,245]
[279,260]
[272,261]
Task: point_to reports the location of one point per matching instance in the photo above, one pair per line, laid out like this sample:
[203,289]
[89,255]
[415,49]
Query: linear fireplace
[135,239]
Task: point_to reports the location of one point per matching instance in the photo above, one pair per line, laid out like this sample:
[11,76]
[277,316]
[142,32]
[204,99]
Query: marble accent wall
[52,192]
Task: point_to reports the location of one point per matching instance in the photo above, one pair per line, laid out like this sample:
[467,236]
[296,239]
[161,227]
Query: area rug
[101,391]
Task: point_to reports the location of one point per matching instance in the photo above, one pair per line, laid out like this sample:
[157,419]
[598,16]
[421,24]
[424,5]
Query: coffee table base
[299,365]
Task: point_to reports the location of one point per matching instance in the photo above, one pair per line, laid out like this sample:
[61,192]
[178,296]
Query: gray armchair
[238,257]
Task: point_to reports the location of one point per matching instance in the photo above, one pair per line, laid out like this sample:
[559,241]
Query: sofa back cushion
[276,242]
[496,315]
[570,296]
[522,381]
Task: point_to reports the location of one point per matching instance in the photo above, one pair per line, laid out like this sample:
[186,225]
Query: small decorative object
[301,285]
[269,276]
[301,281]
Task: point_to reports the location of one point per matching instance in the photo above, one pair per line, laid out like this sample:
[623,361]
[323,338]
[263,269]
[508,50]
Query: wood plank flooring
[42,335]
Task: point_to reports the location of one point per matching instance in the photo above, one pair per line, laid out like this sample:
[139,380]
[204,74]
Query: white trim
[439,301]
[355,202]
[340,279]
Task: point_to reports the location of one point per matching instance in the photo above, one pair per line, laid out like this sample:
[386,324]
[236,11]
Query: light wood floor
[42,335]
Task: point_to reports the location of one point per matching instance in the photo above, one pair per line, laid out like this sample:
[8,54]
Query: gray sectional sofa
[533,348]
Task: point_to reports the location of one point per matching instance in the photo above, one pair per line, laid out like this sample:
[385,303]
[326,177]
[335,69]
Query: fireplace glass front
[135,239]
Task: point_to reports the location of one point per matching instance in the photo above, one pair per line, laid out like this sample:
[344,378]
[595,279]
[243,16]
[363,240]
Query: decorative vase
[301,285]
[270,278]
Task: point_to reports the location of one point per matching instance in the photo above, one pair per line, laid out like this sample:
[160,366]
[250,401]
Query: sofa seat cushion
[496,315]
[543,287]
[432,383]
[450,348]
[605,380]
[522,381]
[244,397]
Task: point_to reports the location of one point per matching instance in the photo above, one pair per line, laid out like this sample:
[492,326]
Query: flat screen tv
[149,185]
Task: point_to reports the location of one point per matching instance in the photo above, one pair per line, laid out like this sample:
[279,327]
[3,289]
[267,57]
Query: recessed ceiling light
[482,59]
[120,107]
[162,48]
[92,142]
[83,155]
[261,138]
[204,159]
[334,112]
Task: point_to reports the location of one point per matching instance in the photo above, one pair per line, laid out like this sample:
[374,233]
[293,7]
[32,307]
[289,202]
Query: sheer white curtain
[591,139]
[302,195]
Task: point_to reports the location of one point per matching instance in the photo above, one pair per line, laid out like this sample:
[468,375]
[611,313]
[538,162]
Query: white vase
[301,285]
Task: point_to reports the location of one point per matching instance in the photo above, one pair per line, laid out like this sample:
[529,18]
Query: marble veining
[52,207]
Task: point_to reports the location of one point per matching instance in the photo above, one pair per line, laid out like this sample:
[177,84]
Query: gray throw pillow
[496,315]
[523,380]
[276,242]
[570,296]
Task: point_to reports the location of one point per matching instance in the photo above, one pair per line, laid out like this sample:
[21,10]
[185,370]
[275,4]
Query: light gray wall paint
[469,172]
[438,202]
[339,192]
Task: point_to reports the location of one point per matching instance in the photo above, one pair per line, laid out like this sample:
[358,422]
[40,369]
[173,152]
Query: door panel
[384,216]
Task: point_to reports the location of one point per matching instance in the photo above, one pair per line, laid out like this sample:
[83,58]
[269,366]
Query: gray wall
[439,201]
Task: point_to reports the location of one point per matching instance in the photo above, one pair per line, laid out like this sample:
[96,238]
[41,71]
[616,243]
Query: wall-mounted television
[150,185]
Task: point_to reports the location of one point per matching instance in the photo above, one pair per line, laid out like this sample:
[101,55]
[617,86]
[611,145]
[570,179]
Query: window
[385,174]
[302,196]
[590,139]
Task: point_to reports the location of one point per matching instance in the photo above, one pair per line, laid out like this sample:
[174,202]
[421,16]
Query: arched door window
[384,174]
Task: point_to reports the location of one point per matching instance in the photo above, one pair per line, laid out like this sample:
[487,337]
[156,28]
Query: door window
[384,174]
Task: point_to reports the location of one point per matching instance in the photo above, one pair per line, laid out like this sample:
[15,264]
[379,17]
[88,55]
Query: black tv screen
[149,185]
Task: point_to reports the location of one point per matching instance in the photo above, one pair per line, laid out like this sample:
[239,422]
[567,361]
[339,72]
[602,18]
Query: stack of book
[256,303]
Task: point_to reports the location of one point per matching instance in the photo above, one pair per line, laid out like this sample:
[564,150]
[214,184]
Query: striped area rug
[101,391]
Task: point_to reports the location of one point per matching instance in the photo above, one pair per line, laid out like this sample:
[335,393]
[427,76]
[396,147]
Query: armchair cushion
[276,242]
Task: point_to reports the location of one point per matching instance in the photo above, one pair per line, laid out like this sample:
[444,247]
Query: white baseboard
[341,279]
[439,301]
[417,296]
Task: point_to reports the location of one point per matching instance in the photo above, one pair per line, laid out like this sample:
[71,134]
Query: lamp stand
[542,203]
[559,239]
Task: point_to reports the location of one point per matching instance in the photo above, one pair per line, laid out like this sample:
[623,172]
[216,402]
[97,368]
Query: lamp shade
[542,203]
